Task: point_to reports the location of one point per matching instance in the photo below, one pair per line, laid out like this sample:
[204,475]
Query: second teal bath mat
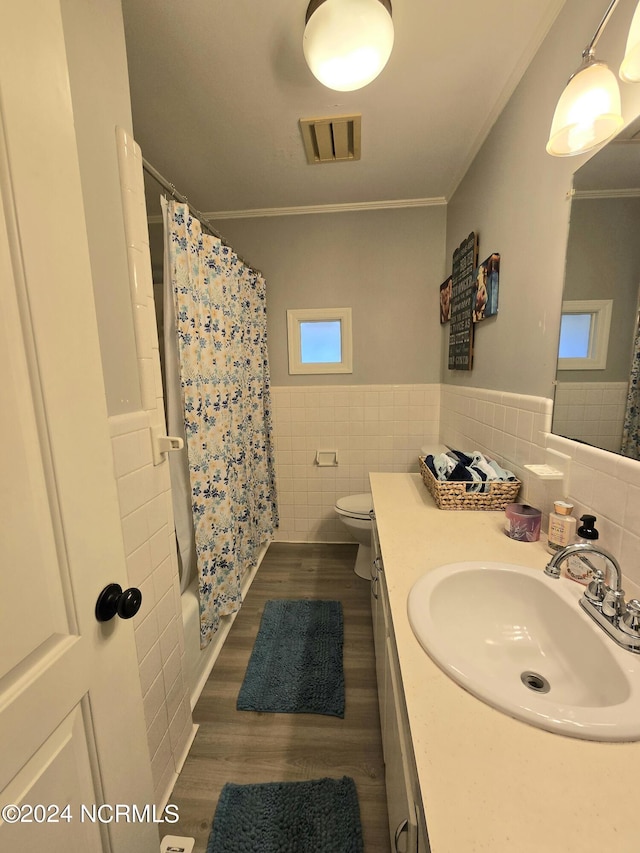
[318,816]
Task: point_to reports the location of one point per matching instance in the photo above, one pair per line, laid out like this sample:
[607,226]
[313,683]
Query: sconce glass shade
[630,68]
[347,43]
[588,112]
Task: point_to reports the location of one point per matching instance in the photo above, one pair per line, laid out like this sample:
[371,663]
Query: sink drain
[535,682]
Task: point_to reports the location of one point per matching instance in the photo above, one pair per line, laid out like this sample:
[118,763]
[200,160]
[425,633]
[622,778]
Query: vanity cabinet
[406,823]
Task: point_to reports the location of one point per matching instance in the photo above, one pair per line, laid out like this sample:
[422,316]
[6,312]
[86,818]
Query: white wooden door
[71,722]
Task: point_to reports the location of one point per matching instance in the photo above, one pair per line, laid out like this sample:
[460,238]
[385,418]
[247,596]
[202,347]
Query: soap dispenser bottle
[562,526]
[576,568]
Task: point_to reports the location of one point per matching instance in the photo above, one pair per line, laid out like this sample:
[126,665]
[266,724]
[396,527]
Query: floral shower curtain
[631,429]
[220,312]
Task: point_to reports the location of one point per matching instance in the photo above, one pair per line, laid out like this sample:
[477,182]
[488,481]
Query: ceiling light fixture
[347,43]
[589,110]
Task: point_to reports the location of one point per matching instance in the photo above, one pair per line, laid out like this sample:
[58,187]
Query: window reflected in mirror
[575,334]
[584,334]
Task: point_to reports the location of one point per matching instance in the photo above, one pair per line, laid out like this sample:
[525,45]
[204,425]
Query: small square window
[575,335]
[584,334]
[319,340]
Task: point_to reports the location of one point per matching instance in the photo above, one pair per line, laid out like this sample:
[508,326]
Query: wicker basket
[454,495]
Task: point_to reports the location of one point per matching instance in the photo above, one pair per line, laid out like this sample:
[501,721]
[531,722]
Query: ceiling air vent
[331,140]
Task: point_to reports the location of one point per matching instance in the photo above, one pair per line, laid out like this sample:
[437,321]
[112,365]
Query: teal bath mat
[320,816]
[296,662]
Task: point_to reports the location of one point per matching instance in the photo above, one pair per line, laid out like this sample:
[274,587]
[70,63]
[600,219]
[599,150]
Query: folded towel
[482,464]
[444,466]
[462,473]
[461,457]
[428,461]
[502,473]
[475,469]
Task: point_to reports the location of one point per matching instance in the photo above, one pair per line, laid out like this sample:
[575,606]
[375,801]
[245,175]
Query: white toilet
[354,511]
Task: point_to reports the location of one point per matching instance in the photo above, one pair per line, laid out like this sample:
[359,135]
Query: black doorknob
[113,601]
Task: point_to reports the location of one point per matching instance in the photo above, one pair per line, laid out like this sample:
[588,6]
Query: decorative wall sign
[463,293]
[486,288]
[445,301]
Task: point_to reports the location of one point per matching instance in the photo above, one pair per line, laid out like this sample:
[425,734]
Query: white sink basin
[495,628]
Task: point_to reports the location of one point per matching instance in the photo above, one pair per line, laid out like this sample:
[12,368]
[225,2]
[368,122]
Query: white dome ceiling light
[347,43]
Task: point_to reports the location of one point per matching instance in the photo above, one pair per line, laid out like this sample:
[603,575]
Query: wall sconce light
[347,43]
[589,110]
[630,68]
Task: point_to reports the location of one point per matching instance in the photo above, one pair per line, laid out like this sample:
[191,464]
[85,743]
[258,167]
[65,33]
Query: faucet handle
[613,603]
[595,592]
[630,622]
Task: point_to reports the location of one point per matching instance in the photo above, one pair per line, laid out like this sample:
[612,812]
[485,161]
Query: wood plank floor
[245,746]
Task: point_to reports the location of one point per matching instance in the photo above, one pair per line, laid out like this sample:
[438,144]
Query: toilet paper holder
[326,458]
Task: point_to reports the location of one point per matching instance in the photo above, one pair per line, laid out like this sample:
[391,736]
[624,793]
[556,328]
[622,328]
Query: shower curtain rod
[155,174]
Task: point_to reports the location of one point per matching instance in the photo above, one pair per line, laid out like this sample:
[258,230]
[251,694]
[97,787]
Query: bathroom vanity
[464,776]
[406,817]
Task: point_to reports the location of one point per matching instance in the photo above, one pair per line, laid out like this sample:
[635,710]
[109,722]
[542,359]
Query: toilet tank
[433,449]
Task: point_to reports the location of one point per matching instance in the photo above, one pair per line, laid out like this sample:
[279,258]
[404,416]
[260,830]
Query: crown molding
[347,207]
[633,192]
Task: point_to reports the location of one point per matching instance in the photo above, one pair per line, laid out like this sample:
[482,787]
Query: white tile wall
[592,412]
[608,486]
[372,427]
[146,509]
[510,428]
[149,538]
[515,430]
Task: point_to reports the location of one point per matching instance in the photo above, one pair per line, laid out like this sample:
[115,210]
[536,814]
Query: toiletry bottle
[577,569]
[562,526]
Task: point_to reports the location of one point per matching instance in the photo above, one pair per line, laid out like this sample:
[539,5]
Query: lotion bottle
[562,527]
[577,569]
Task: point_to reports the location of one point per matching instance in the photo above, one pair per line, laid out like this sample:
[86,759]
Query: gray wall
[514,197]
[94,36]
[603,262]
[386,265]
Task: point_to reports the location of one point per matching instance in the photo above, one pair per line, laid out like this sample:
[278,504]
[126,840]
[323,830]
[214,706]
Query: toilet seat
[355,506]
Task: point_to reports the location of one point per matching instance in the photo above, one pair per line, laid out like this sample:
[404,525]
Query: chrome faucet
[580,548]
[604,603]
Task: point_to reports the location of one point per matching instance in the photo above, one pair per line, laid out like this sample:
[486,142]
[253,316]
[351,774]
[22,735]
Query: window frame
[600,311]
[297,316]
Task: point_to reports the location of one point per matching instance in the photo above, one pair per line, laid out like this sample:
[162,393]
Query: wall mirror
[594,397]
